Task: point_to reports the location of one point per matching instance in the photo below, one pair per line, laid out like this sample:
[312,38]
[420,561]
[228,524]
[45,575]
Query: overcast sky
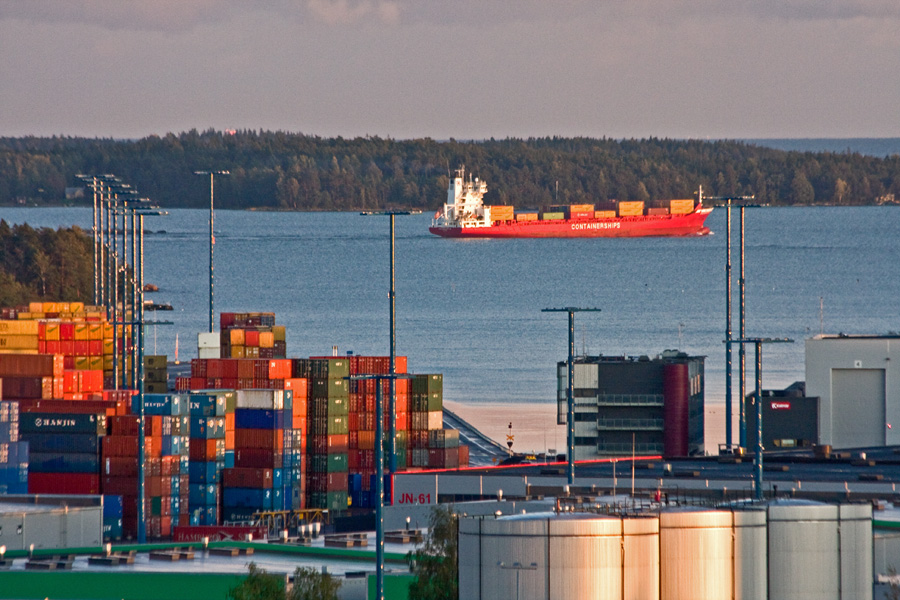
[452,68]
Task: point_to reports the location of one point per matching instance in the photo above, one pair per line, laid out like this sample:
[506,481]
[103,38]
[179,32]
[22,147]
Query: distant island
[275,170]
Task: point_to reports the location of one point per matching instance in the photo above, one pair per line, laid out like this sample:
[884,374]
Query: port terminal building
[635,404]
[857,381]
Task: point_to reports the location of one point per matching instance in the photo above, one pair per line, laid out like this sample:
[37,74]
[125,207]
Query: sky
[466,69]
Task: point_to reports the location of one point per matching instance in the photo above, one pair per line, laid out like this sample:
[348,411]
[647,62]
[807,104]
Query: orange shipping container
[631,209]
[531,216]
[236,337]
[502,213]
[581,208]
[604,214]
[681,207]
[266,339]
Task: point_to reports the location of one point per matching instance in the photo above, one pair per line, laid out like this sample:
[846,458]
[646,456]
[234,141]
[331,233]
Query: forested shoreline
[45,264]
[292,171]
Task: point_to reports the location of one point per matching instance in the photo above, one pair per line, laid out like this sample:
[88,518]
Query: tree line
[43,264]
[293,171]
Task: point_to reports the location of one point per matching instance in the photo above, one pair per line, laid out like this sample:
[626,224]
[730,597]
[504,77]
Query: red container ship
[466,216]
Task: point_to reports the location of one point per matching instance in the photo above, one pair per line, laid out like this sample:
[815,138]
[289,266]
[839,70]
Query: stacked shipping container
[328,429]
[251,335]
[13,452]
[64,451]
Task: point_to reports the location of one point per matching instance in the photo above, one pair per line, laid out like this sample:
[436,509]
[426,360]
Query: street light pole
[212,235]
[379,474]
[570,391]
[392,398]
[758,462]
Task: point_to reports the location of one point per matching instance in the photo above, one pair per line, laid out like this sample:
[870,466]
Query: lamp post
[758,463]
[392,399]
[212,235]
[379,474]
[570,391]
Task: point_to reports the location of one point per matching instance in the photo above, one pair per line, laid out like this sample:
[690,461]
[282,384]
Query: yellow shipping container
[76,307]
[95,331]
[502,213]
[19,327]
[532,216]
[82,332]
[51,331]
[36,307]
[631,209]
[236,337]
[279,333]
[96,363]
[581,207]
[108,347]
[108,363]
[251,352]
[24,316]
[237,352]
[266,339]
[95,314]
[681,207]
[82,363]
[11,341]
[604,214]
[107,331]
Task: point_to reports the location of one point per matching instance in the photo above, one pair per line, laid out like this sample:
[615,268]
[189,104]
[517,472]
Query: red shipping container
[251,337]
[120,466]
[66,331]
[95,347]
[71,382]
[82,348]
[63,483]
[259,438]
[247,478]
[257,458]
[123,426]
[205,450]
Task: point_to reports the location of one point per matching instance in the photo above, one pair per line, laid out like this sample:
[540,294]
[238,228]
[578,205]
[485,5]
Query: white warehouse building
[857,379]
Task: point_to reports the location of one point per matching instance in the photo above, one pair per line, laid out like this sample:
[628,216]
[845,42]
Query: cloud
[185,15]
[116,15]
[346,12]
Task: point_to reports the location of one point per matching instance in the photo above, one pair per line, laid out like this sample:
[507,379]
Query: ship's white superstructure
[465,203]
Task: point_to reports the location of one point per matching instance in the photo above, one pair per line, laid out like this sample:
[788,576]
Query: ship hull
[691,224]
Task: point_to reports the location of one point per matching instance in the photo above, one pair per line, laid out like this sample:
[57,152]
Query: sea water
[471,309]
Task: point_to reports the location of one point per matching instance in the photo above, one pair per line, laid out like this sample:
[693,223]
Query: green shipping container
[328,407]
[553,216]
[428,384]
[328,463]
[339,425]
[329,388]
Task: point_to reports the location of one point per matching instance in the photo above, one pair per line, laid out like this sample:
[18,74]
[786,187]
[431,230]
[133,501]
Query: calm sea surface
[472,309]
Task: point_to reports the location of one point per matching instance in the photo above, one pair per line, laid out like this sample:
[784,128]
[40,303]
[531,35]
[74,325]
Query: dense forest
[43,264]
[287,171]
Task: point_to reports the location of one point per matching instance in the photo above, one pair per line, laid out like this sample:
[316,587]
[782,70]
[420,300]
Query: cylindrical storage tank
[676,394]
[695,554]
[469,558]
[804,560]
[550,556]
[856,551]
[640,558]
[585,558]
[514,553]
[750,569]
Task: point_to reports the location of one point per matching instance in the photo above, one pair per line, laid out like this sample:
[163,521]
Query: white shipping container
[266,399]
[436,419]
